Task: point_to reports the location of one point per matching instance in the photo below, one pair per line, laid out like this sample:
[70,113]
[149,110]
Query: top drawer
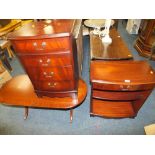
[121,87]
[42,45]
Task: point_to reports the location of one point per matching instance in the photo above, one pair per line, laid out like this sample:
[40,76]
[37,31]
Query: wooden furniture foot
[71,115]
[26,113]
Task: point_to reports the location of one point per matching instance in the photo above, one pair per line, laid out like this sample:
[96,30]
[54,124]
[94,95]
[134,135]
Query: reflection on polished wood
[117,50]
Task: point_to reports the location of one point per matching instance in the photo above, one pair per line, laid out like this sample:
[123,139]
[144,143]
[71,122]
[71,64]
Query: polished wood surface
[118,95]
[48,53]
[117,50]
[146,38]
[126,73]
[120,88]
[19,91]
[112,109]
[44,29]
[42,45]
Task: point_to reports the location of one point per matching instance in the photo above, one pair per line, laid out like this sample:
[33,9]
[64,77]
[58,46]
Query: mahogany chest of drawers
[119,88]
[48,53]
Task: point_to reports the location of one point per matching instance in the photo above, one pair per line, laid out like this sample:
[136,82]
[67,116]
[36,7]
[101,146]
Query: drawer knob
[48,60]
[40,60]
[35,44]
[52,73]
[52,84]
[125,87]
[44,73]
[43,44]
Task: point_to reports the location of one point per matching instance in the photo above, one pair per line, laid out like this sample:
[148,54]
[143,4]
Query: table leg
[26,113]
[71,115]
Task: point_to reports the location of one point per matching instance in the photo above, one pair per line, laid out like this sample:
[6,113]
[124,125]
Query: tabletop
[117,50]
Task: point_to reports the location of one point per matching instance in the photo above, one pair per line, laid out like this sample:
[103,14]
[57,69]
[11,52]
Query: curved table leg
[26,113]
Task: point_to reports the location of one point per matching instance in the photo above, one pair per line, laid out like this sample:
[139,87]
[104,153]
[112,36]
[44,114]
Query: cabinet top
[44,29]
[121,72]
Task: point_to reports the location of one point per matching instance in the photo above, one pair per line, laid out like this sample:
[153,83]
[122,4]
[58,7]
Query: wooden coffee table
[117,50]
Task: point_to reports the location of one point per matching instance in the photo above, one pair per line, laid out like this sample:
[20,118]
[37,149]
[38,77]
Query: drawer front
[56,73]
[50,73]
[111,95]
[54,85]
[42,45]
[52,60]
[121,87]
[112,109]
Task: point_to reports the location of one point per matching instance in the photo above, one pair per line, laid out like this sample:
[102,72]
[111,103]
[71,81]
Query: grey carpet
[56,122]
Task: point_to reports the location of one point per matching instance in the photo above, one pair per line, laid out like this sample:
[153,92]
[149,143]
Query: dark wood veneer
[48,52]
[120,88]
[117,50]
[146,38]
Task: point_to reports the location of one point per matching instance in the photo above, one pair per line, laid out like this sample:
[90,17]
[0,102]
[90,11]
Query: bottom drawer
[55,85]
[112,109]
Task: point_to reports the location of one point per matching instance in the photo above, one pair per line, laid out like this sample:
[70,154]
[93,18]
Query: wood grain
[129,74]
[120,88]
[19,91]
[42,29]
[112,109]
[48,53]
[117,50]
[146,38]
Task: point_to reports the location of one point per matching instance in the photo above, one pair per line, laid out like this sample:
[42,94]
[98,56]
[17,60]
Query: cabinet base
[41,94]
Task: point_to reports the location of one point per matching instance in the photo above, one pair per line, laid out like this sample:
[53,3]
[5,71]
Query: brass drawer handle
[124,88]
[40,60]
[52,84]
[49,74]
[44,73]
[48,60]
[35,44]
[46,63]
[43,44]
